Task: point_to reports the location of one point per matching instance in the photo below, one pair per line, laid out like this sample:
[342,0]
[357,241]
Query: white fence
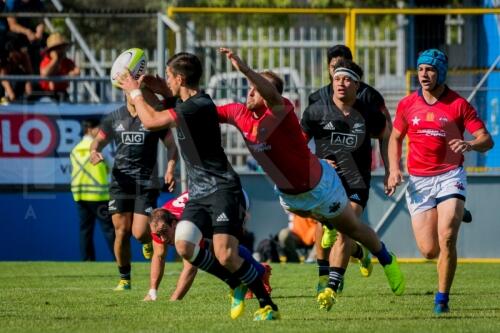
[299,52]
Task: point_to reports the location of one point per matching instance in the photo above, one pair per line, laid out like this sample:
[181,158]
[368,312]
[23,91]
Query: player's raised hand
[235,60]
[126,82]
[157,85]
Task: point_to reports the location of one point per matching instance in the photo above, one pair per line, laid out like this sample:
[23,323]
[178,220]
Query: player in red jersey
[307,186]
[163,224]
[434,118]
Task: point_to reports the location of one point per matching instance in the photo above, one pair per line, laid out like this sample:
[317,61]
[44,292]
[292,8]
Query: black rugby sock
[336,276]
[358,254]
[125,272]
[248,275]
[207,262]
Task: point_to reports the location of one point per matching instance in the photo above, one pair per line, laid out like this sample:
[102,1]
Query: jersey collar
[440,98]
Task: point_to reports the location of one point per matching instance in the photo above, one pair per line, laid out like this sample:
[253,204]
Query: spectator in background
[55,63]
[90,187]
[299,234]
[30,30]
[14,62]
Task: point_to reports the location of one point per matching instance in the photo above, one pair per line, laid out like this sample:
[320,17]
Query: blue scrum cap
[436,59]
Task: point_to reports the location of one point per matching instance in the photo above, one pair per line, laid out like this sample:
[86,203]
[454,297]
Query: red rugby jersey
[430,129]
[277,143]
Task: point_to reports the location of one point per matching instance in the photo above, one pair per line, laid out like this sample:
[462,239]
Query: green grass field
[78,297]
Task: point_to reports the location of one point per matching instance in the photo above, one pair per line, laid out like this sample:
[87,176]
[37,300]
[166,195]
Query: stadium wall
[44,225]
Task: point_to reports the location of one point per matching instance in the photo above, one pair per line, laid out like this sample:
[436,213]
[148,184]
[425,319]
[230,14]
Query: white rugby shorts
[425,193]
[324,202]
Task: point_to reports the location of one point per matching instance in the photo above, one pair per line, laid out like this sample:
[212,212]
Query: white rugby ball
[132,59]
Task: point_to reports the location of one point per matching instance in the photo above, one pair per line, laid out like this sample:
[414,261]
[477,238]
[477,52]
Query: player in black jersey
[134,186]
[366,93]
[342,126]
[216,198]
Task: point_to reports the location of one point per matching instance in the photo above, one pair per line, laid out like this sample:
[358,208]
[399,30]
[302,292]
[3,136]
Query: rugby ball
[132,59]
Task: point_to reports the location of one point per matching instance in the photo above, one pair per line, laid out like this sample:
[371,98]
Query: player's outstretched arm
[185,281]
[151,119]
[265,88]
[394,153]
[157,270]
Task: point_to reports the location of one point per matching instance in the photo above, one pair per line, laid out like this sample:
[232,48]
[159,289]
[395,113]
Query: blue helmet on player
[436,59]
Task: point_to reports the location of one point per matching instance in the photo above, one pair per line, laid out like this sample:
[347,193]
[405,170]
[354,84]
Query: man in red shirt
[55,63]
[307,186]
[163,224]
[434,118]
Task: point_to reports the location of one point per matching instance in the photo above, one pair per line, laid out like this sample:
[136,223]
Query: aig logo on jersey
[133,138]
[344,139]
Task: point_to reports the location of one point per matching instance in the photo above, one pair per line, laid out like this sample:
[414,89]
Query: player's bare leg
[122,223]
[141,232]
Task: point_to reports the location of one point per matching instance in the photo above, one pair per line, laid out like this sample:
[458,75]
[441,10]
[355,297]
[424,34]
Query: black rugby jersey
[136,149]
[199,137]
[344,139]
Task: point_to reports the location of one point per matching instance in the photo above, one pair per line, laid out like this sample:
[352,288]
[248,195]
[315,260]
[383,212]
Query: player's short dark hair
[338,51]
[89,123]
[349,64]
[188,65]
[275,79]
[161,214]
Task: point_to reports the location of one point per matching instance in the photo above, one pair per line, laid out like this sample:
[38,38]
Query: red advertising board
[36,140]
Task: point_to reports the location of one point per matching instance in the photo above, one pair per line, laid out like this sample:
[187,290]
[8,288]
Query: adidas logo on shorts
[355,196]
[222,218]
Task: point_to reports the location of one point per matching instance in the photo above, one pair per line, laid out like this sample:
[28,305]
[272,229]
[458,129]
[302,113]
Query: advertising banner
[36,140]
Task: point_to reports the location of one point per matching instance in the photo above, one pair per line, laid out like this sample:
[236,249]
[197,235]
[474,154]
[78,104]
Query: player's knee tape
[189,232]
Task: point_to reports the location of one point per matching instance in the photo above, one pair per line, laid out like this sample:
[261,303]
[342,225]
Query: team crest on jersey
[358,128]
[133,138]
[254,131]
[141,128]
[429,116]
